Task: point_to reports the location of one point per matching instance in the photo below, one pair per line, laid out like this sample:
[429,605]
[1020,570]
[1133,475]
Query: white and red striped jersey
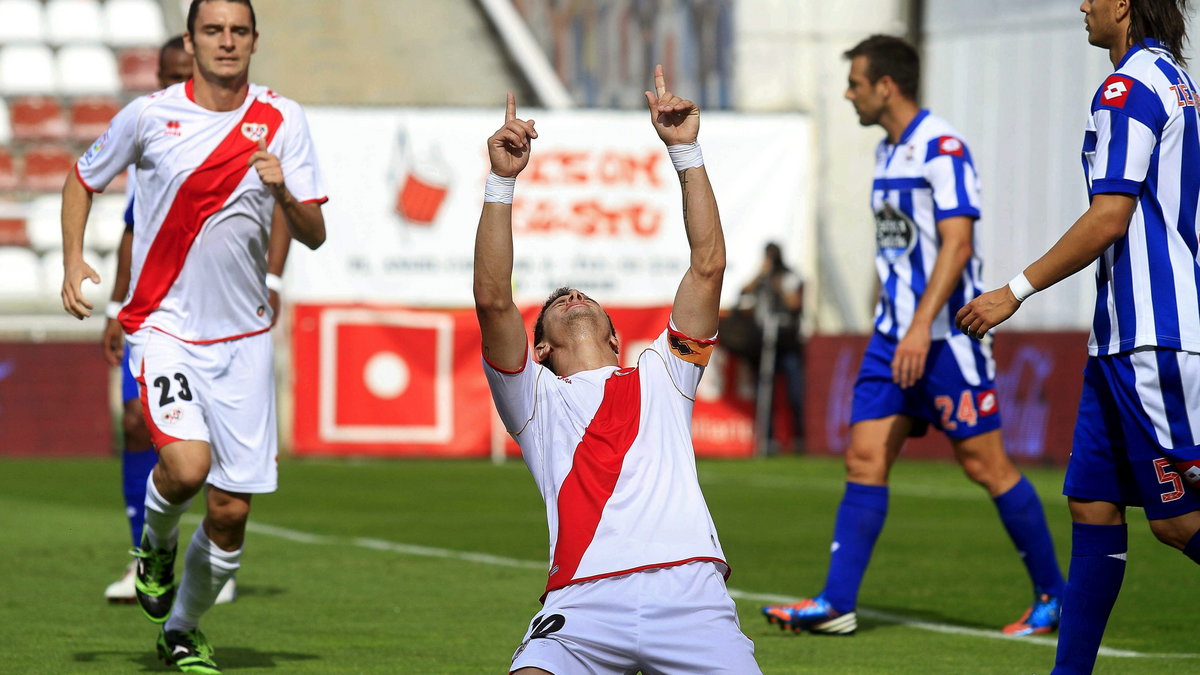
[611,452]
[202,215]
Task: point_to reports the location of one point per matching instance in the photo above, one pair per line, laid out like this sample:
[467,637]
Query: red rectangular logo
[1115,91]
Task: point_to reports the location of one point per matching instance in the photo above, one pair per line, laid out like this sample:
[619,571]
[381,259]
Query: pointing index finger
[262,145]
[510,109]
[660,82]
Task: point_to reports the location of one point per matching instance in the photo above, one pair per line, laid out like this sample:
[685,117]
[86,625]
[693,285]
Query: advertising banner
[54,400]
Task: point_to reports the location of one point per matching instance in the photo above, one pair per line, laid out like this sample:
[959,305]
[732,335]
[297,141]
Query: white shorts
[221,393]
[666,620]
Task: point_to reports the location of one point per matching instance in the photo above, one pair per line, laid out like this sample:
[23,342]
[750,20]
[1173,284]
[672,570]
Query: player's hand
[270,171]
[677,120]
[113,343]
[509,147]
[72,288]
[986,312]
[908,365]
[273,301]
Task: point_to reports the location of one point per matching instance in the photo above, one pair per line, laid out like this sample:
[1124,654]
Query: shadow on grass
[882,615]
[227,657]
[248,591]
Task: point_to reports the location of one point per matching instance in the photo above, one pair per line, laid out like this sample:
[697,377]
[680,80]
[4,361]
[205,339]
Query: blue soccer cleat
[814,615]
[1041,617]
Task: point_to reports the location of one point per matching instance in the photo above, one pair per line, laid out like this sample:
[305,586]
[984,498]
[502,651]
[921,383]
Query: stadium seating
[90,117]
[37,118]
[46,167]
[8,170]
[27,69]
[5,124]
[87,69]
[106,223]
[21,21]
[43,223]
[138,68]
[73,22]
[12,231]
[52,277]
[132,23]
[20,275]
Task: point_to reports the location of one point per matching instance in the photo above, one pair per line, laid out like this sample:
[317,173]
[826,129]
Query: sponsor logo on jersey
[174,128]
[1116,91]
[1190,472]
[987,403]
[254,131]
[949,145]
[895,233]
[93,151]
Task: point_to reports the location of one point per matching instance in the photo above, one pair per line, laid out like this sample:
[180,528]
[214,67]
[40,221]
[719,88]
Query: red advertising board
[53,400]
[1039,378]
[396,381]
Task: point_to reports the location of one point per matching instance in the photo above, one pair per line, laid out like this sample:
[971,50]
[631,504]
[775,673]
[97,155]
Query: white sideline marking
[501,561]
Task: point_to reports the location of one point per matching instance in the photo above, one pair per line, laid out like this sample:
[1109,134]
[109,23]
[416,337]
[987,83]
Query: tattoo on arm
[683,184]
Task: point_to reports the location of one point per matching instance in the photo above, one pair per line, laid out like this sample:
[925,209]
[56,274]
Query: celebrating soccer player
[917,369]
[215,156]
[1137,436]
[634,552]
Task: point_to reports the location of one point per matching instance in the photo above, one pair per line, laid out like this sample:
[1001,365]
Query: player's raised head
[567,316]
[221,35]
[174,63]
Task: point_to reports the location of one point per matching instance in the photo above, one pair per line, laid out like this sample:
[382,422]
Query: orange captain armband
[690,349]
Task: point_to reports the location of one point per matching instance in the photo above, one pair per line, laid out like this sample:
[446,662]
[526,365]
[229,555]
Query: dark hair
[1163,20]
[195,8]
[773,252]
[174,43]
[893,57]
[539,328]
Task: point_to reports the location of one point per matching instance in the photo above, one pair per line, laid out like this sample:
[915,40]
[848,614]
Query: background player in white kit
[1137,435]
[212,157]
[637,573]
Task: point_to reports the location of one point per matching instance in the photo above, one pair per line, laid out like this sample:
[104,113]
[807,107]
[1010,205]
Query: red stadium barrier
[53,400]
[1038,381]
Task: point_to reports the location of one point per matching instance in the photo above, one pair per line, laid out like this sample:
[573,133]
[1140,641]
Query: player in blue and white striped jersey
[918,369]
[1137,436]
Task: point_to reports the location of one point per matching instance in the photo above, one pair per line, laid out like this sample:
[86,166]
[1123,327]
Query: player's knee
[1171,533]
[866,465]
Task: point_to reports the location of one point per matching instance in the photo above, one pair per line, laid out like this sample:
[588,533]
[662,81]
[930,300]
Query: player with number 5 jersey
[918,370]
[1137,435]
[213,156]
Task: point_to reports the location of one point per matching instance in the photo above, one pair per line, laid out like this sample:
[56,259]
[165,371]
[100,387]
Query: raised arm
[503,331]
[698,299]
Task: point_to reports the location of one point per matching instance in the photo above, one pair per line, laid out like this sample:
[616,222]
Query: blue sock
[859,522]
[135,469]
[1022,514]
[1097,569]
[1192,550]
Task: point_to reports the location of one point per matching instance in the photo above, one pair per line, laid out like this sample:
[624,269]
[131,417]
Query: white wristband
[499,188]
[1021,288]
[112,310]
[685,156]
[274,282]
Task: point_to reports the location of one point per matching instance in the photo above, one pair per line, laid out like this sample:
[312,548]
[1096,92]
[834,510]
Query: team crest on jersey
[173,416]
[255,131]
[895,233]
[1115,91]
[949,145]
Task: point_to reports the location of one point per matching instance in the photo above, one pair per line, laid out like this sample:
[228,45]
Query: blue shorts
[129,386]
[957,394]
[1136,435]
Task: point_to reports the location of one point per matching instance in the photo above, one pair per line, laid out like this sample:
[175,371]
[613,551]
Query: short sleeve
[951,175]
[114,151]
[1124,146]
[298,159]
[514,392]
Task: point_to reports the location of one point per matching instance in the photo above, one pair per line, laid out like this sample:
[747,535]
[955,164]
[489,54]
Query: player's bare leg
[874,446]
[983,459]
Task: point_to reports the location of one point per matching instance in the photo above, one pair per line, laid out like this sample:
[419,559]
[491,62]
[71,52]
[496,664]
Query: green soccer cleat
[187,650]
[155,580]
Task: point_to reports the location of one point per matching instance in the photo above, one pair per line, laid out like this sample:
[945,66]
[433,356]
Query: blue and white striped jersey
[926,177]
[1143,139]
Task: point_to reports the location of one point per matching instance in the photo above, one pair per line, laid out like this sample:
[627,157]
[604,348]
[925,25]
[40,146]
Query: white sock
[162,517]
[206,568]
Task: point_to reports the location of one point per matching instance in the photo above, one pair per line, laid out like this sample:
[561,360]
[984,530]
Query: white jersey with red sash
[611,452]
[202,215]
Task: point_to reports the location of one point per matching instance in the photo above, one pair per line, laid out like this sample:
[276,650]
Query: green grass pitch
[435,567]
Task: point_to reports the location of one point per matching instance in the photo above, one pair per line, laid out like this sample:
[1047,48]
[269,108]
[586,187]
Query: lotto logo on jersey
[254,131]
[1115,91]
[987,403]
[949,145]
